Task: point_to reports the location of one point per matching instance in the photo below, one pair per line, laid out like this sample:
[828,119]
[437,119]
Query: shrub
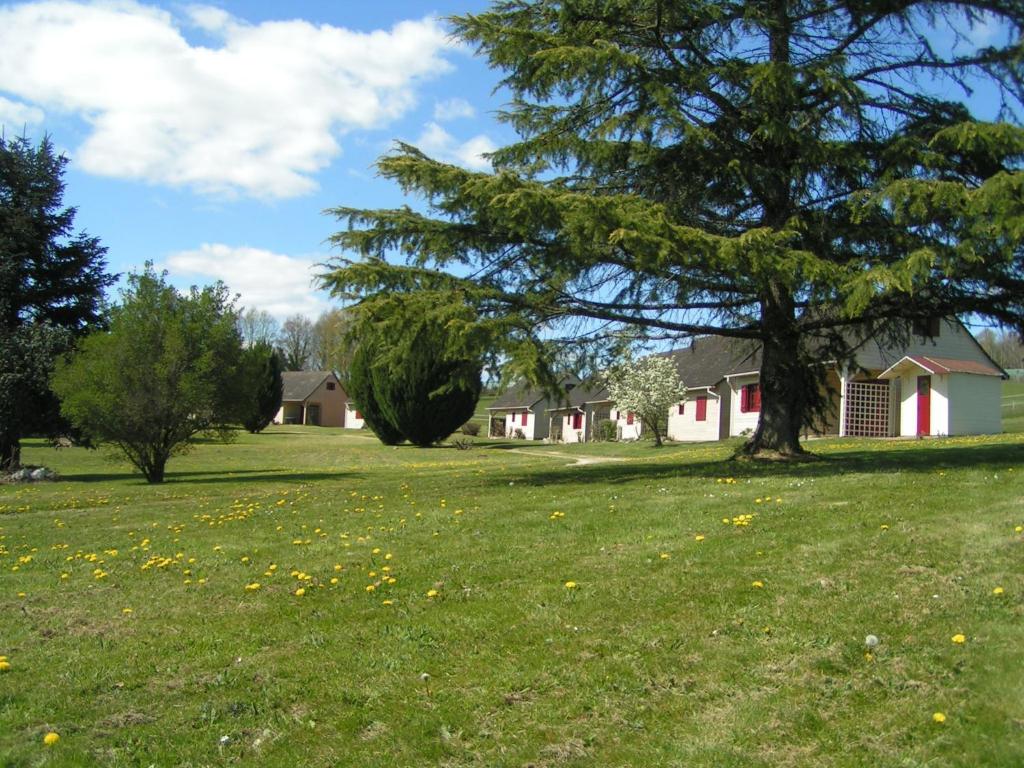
[606,430]
[471,428]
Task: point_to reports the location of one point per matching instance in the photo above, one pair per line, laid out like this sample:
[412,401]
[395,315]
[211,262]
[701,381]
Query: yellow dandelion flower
[337,566]
[432,593]
[938,717]
[5,666]
[757,584]
[570,585]
[334,580]
[699,537]
[371,587]
[387,602]
[664,555]
[51,738]
[997,591]
[252,587]
[300,592]
[126,610]
[959,639]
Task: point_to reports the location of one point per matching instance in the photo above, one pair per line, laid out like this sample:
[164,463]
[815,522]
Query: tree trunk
[785,382]
[155,471]
[10,453]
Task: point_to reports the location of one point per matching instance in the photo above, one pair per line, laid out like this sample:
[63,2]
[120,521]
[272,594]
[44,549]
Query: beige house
[315,398]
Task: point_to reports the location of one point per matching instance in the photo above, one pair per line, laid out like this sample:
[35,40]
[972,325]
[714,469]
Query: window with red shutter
[577,421]
[702,408]
[629,417]
[744,393]
[755,397]
[522,420]
[359,415]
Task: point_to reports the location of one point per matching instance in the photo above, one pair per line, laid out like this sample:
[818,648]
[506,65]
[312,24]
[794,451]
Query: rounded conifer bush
[359,386]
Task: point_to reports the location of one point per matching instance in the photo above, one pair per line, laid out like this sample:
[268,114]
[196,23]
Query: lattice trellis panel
[867,409]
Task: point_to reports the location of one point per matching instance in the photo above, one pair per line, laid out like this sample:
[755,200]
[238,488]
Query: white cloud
[453,109]
[281,285]
[14,116]
[258,113]
[438,143]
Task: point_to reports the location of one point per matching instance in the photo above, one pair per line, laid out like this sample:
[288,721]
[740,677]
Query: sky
[209,139]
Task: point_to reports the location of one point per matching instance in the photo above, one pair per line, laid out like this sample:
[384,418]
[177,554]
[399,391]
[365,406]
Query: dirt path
[574,461]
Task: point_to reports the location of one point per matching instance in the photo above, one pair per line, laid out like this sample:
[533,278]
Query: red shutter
[702,408]
[629,417]
[359,415]
[682,408]
[523,419]
[577,421]
[744,396]
[755,397]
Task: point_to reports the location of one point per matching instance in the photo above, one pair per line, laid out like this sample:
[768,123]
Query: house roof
[586,392]
[709,359]
[942,365]
[298,385]
[523,396]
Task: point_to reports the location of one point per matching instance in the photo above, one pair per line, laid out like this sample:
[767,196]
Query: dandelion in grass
[252,587]
[432,593]
[387,602]
[664,555]
[51,738]
[757,584]
[699,537]
[997,591]
[300,592]
[958,639]
[571,585]
[939,718]
[5,665]
[371,587]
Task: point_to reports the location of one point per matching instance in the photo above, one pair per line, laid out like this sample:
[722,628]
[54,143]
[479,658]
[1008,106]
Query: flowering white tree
[648,387]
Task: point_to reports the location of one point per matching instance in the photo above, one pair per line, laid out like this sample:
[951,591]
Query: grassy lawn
[695,636]
[1013,406]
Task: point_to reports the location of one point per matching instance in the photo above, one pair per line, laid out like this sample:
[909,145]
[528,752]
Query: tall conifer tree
[794,173]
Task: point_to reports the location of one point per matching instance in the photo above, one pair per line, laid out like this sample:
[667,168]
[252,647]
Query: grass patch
[152,651]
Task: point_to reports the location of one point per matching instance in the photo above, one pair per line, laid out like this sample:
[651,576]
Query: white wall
[514,421]
[351,422]
[627,431]
[974,404]
[739,421]
[570,435]
[685,427]
[952,342]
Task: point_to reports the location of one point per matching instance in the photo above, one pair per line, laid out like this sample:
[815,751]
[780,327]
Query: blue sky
[209,138]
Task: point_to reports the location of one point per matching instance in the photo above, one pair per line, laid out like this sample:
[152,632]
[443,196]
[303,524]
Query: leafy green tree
[262,385]
[167,371]
[648,387]
[51,289]
[797,173]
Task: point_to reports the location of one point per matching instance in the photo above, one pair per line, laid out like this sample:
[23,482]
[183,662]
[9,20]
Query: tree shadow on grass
[214,477]
[926,458]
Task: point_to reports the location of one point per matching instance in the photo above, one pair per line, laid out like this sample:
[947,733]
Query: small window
[702,408]
[750,398]
[927,327]
[359,415]
[629,417]
[577,421]
[522,419]
[330,386]
[682,408]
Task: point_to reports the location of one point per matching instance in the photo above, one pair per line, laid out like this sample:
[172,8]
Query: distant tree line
[1005,347]
[303,344]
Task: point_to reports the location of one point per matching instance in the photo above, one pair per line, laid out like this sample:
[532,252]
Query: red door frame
[924,405]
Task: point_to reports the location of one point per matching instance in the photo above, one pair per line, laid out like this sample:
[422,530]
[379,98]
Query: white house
[940,396]
[940,382]
[522,411]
